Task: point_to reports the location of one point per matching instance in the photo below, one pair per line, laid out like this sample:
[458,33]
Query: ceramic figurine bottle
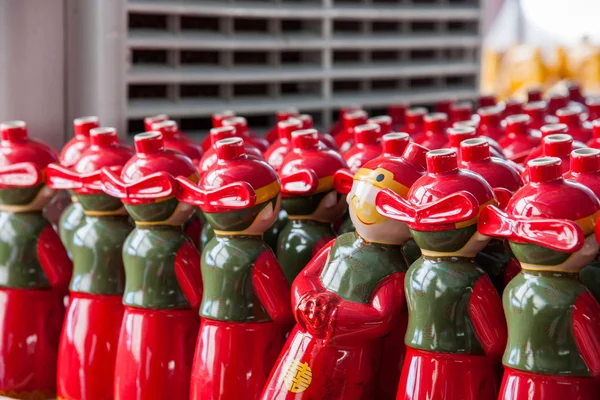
[489,123]
[349,299]
[547,130]
[311,202]
[163,286]
[434,131]
[572,117]
[95,310]
[34,269]
[241,127]
[397,112]
[415,121]
[456,332]
[520,139]
[72,215]
[585,169]
[282,115]
[367,146]
[351,119]
[496,258]
[553,350]
[283,146]
[245,306]
[594,142]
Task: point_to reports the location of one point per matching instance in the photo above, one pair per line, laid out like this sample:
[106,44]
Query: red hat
[585,169]
[71,151]
[235,182]
[445,198]
[283,145]
[542,211]
[572,117]
[175,140]
[520,139]
[216,134]
[434,131]
[241,127]
[502,175]
[490,122]
[23,161]
[366,146]
[310,167]
[85,176]
[148,176]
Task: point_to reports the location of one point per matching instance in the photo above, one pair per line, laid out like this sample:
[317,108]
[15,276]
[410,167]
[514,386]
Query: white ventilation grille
[190,59]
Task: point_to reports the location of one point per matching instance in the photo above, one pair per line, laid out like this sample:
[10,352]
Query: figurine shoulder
[233,251]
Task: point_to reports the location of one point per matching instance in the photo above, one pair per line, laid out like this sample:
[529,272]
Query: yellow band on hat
[587,224]
[267,192]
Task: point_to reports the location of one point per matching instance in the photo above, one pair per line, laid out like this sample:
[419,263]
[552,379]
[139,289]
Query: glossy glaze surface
[69,220]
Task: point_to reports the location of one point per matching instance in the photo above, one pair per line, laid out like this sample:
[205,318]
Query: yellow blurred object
[524,68]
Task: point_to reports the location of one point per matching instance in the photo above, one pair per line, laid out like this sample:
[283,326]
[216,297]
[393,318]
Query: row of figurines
[361,324]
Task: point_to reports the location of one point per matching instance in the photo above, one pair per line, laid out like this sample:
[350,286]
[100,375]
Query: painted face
[265,219]
[330,208]
[369,224]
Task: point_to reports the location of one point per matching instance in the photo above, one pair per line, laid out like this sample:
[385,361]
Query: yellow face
[369,224]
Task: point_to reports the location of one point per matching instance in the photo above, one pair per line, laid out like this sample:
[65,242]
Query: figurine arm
[309,279]
[54,259]
[586,329]
[272,288]
[187,271]
[350,320]
[487,314]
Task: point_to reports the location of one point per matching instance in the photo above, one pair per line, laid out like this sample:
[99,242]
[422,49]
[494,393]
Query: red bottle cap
[103,137]
[285,128]
[416,155]
[536,110]
[239,123]
[574,90]
[457,135]
[443,106]
[367,134]
[397,112]
[395,143]
[218,118]
[415,116]
[534,95]
[544,169]
[513,107]
[475,149]
[148,121]
[466,124]
[556,102]
[570,116]
[557,145]
[221,133]
[148,142]
[435,122]
[231,148]
[585,160]
[441,161]
[354,118]
[13,131]
[168,128]
[517,124]
[551,129]
[383,121]
[461,111]
[83,125]
[283,115]
[307,121]
[305,139]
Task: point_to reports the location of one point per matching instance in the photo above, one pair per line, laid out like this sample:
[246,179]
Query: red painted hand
[314,311]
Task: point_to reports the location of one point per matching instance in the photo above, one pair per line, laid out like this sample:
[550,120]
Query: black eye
[379,177]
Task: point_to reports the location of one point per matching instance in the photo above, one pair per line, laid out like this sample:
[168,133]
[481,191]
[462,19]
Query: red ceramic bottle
[282,115]
[520,139]
[489,123]
[163,286]
[367,146]
[210,156]
[456,331]
[552,350]
[538,114]
[217,122]
[241,127]
[434,131]
[504,177]
[310,200]
[585,169]
[415,121]
[547,130]
[571,116]
[384,122]
[397,112]
[35,269]
[461,132]
[345,313]
[282,146]
[245,305]
[350,119]
[594,142]
[95,310]
[325,138]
